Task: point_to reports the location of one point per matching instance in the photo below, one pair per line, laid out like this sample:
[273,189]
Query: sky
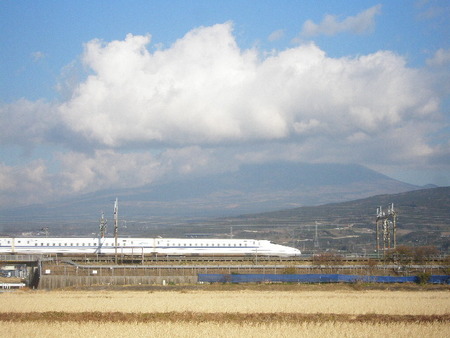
[119,94]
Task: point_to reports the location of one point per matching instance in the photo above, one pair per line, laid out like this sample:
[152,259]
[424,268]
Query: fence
[56,282]
[314,278]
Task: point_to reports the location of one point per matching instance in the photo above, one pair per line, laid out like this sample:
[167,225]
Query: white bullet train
[139,246]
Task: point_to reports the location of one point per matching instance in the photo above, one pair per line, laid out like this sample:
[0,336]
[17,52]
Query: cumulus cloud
[440,58]
[27,122]
[108,168]
[276,35]
[361,23]
[173,95]
[21,185]
[438,65]
[82,172]
[205,105]
[205,90]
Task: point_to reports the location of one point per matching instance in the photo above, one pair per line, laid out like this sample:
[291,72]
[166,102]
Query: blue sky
[110,94]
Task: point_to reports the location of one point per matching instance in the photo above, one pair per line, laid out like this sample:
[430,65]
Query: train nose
[292,252]
[296,252]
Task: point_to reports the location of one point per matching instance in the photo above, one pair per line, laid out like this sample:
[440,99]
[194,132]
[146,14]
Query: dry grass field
[238,313]
[212,329]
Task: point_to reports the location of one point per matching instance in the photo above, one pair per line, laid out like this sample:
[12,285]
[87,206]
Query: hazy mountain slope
[253,188]
[423,219]
[431,204]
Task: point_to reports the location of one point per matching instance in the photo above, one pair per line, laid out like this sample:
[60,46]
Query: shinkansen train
[140,246]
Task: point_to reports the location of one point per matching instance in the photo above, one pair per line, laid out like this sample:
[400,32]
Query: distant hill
[423,219]
[348,225]
[252,188]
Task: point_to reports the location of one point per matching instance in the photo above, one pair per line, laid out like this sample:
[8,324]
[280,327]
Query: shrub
[423,278]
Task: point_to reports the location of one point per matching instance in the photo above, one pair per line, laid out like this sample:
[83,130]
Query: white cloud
[439,70]
[26,122]
[208,106]
[361,23]
[105,169]
[21,185]
[276,35]
[440,58]
[205,90]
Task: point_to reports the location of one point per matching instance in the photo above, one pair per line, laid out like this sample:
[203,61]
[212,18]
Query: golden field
[237,313]
[242,301]
[260,330]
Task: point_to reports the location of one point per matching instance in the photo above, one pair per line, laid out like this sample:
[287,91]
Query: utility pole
[103,224]
[316,238]
[116,226]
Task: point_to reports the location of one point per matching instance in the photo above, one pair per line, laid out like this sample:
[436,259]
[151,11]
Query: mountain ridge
[252,188]
[423,220]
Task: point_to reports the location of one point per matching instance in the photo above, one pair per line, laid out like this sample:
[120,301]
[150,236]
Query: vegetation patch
[196,317]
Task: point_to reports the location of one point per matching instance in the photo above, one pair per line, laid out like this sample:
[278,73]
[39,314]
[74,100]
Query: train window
[54,244]
[42,244]
[35,244]
[240,244]
[17,242]
[48,244]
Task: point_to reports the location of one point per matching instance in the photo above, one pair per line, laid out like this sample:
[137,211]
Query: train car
[140,246]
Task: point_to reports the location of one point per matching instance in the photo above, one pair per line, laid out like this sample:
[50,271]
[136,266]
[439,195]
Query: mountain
[423,219]
[252,188]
